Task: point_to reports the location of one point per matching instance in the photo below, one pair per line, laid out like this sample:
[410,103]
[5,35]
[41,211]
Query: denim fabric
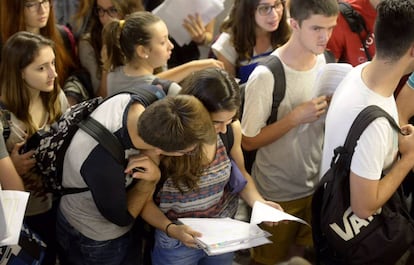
[76,249]
[171,251]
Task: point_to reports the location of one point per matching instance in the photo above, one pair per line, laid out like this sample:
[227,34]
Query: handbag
[340,237]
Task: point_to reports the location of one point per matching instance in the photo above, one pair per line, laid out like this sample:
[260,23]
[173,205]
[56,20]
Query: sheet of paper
[173,13]
[264,213]
[237,246]
[14,205]
[329,78]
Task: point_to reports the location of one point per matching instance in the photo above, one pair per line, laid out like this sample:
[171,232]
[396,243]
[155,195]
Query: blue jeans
[77,249]
[171,251]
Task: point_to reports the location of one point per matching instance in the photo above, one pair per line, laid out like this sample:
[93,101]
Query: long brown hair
[12,21]
[241,26]
[20,50]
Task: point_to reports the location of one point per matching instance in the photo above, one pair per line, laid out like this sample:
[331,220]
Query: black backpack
[279,88]
[50,145]
[356,23]
[339,236]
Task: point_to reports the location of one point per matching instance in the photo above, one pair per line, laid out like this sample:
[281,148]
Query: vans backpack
[339,236]
[50,145]
[279,88]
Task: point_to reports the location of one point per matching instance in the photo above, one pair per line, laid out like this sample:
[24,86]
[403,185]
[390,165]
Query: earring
[146,56]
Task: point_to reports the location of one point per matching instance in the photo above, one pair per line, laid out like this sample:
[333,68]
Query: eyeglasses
[266,9]
[34,6]
[112,12]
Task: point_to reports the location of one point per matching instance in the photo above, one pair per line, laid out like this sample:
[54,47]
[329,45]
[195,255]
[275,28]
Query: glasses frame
[34,6]
[266,9]
[101,12]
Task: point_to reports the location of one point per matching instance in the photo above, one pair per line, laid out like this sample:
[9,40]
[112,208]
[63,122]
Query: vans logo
[352,224]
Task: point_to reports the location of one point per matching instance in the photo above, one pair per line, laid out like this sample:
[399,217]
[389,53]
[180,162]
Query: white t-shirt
[286,169]
[378,145]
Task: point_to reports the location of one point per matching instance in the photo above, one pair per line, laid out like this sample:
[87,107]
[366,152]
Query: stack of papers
[12,209]
[222,235]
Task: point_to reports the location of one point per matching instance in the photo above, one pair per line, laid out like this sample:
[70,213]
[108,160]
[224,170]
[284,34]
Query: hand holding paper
[264,213]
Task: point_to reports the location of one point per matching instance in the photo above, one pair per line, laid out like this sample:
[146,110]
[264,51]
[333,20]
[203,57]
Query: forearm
[269,134]
[138,196]
[154,216]
[250,194]
[178,73]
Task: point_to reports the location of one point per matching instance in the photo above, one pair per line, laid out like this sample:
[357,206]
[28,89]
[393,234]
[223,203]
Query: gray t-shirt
[118,80]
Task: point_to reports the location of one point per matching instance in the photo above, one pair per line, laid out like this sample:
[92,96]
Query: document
[222,235]
[329,77]
[173,13]
[264,213]
[12,208]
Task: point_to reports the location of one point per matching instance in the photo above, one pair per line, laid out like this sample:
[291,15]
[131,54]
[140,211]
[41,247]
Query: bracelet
[168,226]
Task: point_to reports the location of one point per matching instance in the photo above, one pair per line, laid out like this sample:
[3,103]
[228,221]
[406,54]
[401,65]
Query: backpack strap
[228,138]
[68,38]
[5,118]
[356,23]
[329,57]
[279,88]
[147,95]
[361,122]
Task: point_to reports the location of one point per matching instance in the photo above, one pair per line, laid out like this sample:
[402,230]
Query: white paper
[264,213]
[329,77]
[173,13]
[14,206]
[222,235]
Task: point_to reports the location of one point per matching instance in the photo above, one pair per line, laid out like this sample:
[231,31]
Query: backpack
[50,145]
[339,236]
[356,23]
[276,67]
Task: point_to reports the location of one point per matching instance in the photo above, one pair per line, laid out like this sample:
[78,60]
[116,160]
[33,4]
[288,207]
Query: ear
[142,52]
[294,24]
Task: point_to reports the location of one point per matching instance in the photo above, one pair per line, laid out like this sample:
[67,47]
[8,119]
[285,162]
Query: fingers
[196,29]
[143,167]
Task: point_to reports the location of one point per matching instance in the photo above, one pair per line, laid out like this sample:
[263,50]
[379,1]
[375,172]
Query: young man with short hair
[287,163]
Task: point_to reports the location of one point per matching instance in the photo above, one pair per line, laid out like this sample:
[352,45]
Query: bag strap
[356,23]
[5,118]
[361,122]
[228,138]
[104,137]
[279,88]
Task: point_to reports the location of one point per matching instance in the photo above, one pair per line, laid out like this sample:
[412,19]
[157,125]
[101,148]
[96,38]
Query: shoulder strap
[68,38]
[228,138]
[104,137]
[279,88]
[147,95]
[329,57]
[162,83]
[356,23]
[5,120]
[364,118]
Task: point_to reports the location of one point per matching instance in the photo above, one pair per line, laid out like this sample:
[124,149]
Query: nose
[221,128]
[171,46]
[52,73]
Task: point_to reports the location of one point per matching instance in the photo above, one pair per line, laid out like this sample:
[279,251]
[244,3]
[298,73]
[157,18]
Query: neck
[137,69]
[296,56]
[382,77]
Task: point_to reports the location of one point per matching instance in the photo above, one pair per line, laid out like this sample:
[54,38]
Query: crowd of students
[178,140]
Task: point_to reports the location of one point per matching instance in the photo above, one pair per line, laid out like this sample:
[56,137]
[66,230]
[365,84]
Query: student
[94,227]
[138,45]
[90,43]
[286,169]
[202,192]
[347,46]
[373,83]
[253,30]
[37,17]
[30,92]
